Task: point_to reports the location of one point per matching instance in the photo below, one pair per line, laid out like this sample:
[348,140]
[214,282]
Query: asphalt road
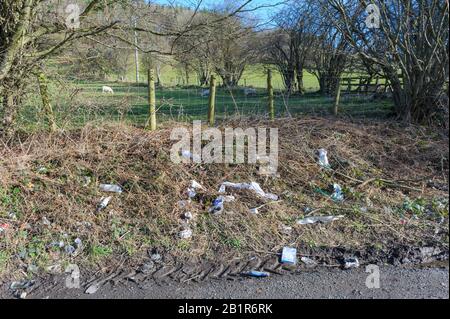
[322,283]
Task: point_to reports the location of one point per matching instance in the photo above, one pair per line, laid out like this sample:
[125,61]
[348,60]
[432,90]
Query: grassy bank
[394,180]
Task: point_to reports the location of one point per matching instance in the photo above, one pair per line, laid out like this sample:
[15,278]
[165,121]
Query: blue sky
[262,13]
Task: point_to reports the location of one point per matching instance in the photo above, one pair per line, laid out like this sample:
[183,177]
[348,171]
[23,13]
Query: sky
[263,13]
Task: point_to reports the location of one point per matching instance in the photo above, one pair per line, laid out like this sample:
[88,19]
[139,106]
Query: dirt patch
[394,181]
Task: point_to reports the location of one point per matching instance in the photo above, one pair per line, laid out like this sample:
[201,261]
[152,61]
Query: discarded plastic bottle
[256,274]
[323,158]
[111,188]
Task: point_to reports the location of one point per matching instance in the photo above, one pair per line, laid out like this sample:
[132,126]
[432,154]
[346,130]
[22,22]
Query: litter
[185,234]
[188,215]
[156,257]
[289,256]
[337,195]
[186,154]
[45,221]
[78,242]
[111,188]
[257,274]
[69,249]
[196,185]
[59,244]
[308,262]
[104,202]
[319,219]
[21,284]
[23,295]
[42,170]
[352,262]
[92,289]
[323,158]
[285,228]
[321,192]
[4,227]
[253,186]
[254,211]
[192,191]
[217,205]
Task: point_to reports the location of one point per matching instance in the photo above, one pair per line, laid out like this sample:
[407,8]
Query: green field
[78,102]
[253,76]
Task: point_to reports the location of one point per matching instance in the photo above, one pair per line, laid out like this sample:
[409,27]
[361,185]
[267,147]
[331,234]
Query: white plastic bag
[323,158]
[253,186]
[318,219]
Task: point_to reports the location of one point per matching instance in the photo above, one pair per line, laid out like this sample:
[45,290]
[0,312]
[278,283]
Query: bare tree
[232,49]
[30,31]
[225,48]
[290,45]
[33,30]
[407,39]
[330,55]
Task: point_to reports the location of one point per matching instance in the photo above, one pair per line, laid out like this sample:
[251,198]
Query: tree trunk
[186,71]
[47,107]
[300,87]
[9,114]
[288,75]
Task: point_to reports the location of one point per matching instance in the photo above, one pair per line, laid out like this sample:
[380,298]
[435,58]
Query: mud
[395,282]
[406,268]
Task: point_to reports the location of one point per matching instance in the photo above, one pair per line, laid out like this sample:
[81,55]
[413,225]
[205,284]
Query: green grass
[184,103]
[253,76]
[98,252]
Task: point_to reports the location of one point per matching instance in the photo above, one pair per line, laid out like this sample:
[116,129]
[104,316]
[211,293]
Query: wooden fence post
[47,107]
[337,97]
[152,99]
[271,106]
[212,101]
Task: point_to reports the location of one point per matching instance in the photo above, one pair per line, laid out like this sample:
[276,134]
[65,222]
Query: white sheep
[249,91]
[204,93]
[107,89]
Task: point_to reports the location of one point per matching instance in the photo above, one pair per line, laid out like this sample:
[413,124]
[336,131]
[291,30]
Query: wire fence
[76,103]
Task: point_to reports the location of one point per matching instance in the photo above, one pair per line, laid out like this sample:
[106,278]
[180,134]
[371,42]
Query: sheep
[249,91]
[204,93]
[107,89]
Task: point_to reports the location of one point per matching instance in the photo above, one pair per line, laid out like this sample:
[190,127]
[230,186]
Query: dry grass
[379,165]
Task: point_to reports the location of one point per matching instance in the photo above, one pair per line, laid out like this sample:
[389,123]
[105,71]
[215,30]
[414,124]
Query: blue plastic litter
[257,274]
[289,256]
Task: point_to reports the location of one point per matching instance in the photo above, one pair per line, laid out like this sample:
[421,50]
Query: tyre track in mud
[167,272]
